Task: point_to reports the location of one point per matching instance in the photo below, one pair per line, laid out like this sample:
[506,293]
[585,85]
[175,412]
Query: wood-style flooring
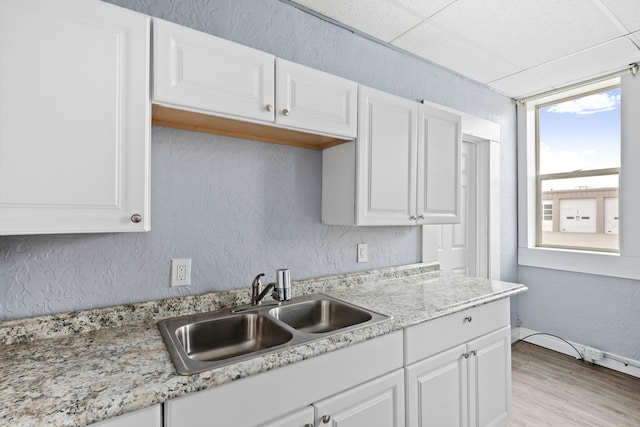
[553,389]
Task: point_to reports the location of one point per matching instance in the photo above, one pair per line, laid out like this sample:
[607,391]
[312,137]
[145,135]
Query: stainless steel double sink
[204,341]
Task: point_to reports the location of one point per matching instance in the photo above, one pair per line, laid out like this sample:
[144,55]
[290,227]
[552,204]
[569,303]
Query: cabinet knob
[413,217]
[285,112]
[467,319]
[465,355]
[269,108]
[326,419]
[136,218]
[421,217]
[473,352]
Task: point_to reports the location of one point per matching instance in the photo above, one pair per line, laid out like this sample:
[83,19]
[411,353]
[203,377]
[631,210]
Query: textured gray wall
[236,207]
[598,311]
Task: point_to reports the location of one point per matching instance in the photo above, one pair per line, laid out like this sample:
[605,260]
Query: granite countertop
[80,368]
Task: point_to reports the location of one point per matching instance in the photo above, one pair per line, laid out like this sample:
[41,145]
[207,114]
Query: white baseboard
[611,361]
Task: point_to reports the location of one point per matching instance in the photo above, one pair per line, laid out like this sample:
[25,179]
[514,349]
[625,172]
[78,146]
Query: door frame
[486,135]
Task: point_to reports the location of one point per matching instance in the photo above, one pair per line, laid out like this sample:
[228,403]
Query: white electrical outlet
[593,354]
[363,256]
[180,271]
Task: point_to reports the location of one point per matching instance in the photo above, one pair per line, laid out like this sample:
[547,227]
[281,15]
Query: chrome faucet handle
[256,288]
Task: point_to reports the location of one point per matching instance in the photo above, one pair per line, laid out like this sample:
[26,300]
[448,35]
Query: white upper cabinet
[74,117]
[439,156]
[208,84]
[198,71]
[312,100]
[404,168]
[386,159]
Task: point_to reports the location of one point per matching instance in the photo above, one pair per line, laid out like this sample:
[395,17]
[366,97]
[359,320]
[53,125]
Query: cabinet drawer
[445,332]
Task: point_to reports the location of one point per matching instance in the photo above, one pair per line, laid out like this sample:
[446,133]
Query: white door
[312,100]
[611,215]
[490,379]
[202,72]
[578,215]
[439,139]
[379,402]
[437,390]
[457,250]
[386,159]
[301,418]
[74,117]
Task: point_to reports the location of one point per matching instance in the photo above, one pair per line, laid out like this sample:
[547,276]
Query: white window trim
[626,264]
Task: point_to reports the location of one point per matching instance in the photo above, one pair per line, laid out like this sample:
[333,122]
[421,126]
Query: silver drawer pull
[326,419]
[136,218]
[467,319]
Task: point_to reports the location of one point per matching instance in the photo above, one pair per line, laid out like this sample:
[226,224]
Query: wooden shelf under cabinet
[197,122]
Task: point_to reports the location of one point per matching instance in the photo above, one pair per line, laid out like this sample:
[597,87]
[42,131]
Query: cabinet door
[386,159]
[301,418]
[437,390]
[379,402]
[490,379]
[74,117]
[439,156]
[201,72]
[312,100]
[148,417]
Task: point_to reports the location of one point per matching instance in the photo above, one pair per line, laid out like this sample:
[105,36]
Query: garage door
[611,215]
[578,215]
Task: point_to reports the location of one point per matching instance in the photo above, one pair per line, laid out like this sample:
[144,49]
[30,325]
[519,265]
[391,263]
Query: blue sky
[583,133]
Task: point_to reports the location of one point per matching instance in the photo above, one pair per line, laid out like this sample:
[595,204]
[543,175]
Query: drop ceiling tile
[529,33]
[381,19]
[437,45]
[626,11]
[605,58]
[424,9]
[520,85]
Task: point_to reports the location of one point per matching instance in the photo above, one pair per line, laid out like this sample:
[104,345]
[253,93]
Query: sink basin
[221,339]
[204,341]
[320,315]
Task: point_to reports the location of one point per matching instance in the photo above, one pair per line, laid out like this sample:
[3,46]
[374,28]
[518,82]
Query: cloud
[591,104]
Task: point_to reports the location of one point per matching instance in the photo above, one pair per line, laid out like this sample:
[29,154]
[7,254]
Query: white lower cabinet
[450,371]
[302,418]
[148,417]
[469,384]
[379,402]
[349,386]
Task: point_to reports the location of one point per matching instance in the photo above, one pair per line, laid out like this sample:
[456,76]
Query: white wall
[239,207]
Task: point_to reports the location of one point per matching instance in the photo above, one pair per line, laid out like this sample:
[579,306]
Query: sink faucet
[281,288]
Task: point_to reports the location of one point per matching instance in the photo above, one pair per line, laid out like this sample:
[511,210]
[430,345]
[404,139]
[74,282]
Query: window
[578,158]
[578,200]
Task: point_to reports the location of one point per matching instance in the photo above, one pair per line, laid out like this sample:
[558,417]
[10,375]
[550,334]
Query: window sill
[601,263]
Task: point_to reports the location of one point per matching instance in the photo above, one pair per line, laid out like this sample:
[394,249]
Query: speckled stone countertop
[79,368]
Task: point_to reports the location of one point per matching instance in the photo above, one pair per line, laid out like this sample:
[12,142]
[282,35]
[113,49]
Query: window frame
[626,262]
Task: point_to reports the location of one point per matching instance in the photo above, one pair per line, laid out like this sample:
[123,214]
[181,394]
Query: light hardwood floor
[553,389]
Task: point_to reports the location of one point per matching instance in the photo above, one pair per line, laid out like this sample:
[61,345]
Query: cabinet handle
[413,217]
[285,112]
[473,352]
[136,218]
[326,419]
[465,355]
[421,217]
[269,108]
[467,319]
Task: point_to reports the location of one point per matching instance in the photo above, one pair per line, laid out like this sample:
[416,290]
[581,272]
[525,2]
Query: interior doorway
[464,248]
